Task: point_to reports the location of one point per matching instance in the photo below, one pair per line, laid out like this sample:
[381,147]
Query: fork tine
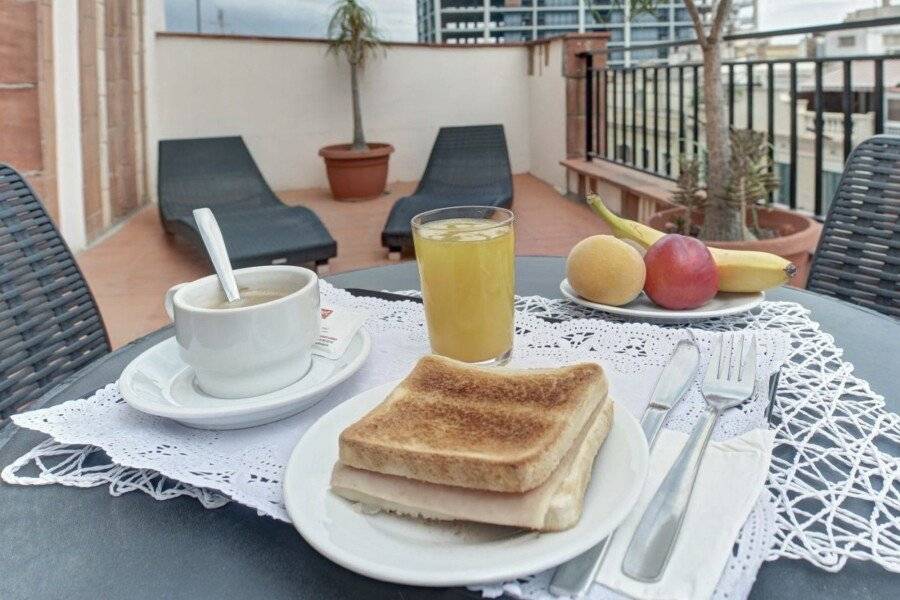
[748,362]
[733,351]
[736,358]
[715,361]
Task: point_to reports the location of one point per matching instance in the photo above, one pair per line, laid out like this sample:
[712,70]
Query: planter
[356,174]
[797,237]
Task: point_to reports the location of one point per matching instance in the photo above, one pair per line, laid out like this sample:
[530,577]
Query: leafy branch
[352,32]
[752,176]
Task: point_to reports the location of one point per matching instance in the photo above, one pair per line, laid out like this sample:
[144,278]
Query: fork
[729,381]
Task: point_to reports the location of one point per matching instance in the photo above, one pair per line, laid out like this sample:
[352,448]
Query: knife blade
[574,577]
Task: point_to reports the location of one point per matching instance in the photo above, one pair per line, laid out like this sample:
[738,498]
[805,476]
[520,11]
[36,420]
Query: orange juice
[467,270]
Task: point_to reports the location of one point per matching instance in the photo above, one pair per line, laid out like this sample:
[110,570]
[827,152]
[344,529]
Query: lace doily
[803,515]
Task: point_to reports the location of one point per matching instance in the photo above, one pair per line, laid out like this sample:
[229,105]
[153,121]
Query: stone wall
[26,95]
[111,111]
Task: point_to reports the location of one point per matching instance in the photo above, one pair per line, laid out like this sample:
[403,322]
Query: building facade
[498,21]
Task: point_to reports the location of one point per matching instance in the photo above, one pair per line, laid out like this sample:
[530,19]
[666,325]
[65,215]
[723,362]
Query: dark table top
[58,542]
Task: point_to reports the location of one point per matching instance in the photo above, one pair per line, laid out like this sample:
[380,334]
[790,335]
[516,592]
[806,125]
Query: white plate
[723,304]
[160,383]
[433,553]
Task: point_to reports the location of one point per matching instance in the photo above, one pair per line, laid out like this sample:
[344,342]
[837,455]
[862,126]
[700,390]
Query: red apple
[681,272]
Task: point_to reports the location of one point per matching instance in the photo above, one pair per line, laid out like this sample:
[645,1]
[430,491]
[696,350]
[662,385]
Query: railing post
[770,118]
[847,107]
[579,66]
[878,95]
[589,106]
[818,106]
[792,201]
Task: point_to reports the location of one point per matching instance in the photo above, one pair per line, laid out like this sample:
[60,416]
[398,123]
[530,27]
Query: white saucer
[433,553]
[723,304]
[158,382]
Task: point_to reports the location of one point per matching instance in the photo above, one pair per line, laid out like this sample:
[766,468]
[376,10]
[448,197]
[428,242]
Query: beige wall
[287,98]
[547,133]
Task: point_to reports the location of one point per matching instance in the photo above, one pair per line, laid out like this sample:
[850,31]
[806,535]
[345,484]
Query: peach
[606,270]
[681,273]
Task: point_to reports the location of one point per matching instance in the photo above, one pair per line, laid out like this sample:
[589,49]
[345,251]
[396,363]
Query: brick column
[575,74]
[27,140]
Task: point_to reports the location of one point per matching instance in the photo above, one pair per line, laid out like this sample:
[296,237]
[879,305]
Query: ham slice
[552,506]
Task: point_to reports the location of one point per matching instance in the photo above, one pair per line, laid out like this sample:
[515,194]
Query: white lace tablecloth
[830,438]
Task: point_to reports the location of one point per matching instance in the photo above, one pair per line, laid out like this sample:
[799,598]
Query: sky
[782,14]
[397,18]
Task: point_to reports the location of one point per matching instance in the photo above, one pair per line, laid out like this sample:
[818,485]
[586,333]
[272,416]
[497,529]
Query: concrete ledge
[642,194]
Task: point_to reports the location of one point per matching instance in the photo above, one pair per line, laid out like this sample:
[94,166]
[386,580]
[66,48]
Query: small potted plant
[358,170]
[720,221]
[749,183]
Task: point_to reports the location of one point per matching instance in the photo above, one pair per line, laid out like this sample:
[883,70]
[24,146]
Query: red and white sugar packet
[339,325]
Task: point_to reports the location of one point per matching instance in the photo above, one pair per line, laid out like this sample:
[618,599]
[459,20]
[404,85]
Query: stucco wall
[547,132]
[287,98]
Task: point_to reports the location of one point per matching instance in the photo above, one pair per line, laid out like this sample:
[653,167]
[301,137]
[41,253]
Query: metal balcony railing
[813,110]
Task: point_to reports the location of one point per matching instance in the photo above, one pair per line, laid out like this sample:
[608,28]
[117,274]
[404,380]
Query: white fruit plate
[642,308]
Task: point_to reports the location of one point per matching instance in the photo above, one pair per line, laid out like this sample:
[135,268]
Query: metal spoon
[218,254]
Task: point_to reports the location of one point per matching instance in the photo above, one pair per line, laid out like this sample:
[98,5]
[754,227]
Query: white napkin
[731,478]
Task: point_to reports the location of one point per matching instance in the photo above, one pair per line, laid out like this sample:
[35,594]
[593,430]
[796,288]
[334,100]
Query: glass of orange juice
[466,263]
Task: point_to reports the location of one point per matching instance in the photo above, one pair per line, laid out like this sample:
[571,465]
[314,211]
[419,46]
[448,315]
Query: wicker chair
[858,258]
[49,323]
[468,166]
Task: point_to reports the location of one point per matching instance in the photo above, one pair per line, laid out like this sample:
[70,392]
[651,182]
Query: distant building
[863,41]
[498,21]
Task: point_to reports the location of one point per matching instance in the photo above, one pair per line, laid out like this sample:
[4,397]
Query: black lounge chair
[50,326]
[468,166]
[858,258]
[258,228]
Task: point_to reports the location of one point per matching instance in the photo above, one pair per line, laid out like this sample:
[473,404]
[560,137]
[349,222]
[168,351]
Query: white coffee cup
[251,350]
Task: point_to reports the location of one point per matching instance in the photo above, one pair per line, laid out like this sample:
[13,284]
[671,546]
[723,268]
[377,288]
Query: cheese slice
[553,506]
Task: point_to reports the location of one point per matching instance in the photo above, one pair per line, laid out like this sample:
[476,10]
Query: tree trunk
[721,221]
[359,139]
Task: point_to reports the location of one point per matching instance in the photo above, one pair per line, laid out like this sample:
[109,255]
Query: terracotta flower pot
[356,174]
[797,237]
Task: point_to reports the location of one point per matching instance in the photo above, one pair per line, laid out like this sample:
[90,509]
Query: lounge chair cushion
[468,166]
[261,235]
[220,173]
[397,232]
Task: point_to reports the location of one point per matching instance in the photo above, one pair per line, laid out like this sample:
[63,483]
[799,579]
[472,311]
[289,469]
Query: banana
[739,270]
[644,235]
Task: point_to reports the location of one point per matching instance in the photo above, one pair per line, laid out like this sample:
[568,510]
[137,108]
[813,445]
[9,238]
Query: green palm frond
[752,176]
[352,32]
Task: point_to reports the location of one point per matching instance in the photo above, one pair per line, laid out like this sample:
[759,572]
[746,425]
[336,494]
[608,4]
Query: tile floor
[131,269]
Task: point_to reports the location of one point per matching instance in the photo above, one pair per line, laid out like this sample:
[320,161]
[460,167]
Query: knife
[573,578]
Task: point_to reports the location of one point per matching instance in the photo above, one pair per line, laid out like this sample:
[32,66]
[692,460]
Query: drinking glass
[466,263]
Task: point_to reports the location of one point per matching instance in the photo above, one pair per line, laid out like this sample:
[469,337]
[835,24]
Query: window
[891,40]
[893,109]
[846,41]
[640,55]
[685,33]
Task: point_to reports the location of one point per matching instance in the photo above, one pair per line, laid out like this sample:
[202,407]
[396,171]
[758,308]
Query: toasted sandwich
[460,442]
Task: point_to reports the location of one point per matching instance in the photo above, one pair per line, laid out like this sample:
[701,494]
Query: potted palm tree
[358,170]
[721,220]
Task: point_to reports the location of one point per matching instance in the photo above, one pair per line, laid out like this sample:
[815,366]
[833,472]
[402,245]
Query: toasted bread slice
[552,506]
[456,424]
